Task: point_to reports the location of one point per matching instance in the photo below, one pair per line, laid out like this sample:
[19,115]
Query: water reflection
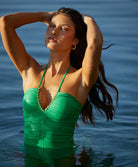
[100,159]
[84,157]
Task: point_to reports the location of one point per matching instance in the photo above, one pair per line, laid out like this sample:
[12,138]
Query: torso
[49,87]
[49,123]
[51,126]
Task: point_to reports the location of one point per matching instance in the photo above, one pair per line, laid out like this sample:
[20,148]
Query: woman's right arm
[12,43]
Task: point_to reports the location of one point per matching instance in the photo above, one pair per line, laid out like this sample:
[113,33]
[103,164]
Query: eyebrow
[61,24]
[66,25]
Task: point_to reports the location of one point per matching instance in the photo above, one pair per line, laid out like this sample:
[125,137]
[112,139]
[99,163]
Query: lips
[52,39]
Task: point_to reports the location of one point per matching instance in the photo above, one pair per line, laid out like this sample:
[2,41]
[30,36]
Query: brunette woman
[56,93]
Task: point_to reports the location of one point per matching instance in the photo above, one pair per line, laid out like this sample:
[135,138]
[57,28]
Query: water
[108,144]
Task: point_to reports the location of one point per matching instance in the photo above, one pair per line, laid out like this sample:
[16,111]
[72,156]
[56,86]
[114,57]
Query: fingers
[93,31]
[87,18]
[48,16]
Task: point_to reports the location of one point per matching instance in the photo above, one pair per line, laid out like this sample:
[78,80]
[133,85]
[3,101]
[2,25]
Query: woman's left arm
[90,64]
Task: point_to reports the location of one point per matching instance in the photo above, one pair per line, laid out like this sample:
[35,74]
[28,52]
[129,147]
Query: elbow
[3,22]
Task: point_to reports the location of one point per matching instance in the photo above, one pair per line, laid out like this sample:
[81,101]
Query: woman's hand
[48,16]
[94,33]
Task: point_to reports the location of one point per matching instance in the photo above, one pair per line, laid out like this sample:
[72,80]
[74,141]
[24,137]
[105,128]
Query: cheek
[47,32]
[46,36]
[67,38]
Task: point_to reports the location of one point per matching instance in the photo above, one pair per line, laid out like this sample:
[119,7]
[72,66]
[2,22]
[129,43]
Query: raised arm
[12,43]
[90,64]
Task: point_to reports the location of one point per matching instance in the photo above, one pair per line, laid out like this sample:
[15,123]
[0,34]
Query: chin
[53,46]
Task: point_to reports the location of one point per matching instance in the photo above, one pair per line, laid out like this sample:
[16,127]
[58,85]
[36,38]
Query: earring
[74,47]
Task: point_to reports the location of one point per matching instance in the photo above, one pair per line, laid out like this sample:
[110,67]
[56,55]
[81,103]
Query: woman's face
[60,34]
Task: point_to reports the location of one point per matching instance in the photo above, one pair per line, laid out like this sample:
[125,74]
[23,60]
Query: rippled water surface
[108,144]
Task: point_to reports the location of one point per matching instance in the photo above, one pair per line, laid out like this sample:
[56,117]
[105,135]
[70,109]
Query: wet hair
[99,96]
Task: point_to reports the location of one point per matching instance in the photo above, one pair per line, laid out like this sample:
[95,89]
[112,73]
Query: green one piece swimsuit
[49,133]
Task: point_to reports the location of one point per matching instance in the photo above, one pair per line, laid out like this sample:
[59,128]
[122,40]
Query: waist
[49,141]
[48,134]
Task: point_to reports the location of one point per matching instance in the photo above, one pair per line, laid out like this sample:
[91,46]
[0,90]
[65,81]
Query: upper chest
[69,84]
[49,87]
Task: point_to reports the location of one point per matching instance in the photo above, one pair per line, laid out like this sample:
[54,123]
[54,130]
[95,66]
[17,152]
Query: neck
[58,63]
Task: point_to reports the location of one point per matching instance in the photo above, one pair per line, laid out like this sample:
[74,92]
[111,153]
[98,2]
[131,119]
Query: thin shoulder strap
[42,77]
[63,78]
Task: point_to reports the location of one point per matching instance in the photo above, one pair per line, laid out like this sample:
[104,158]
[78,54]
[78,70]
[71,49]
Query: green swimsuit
[52,128]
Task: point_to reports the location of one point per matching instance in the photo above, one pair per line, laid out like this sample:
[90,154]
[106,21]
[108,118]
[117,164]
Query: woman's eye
[65,29]
[51,25]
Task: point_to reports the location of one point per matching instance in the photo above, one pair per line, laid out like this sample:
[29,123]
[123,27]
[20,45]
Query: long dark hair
[98,97]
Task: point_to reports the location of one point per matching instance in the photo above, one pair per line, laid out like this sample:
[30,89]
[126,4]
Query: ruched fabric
[49,133]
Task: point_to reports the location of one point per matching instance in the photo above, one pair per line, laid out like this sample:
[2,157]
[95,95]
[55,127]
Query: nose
[55,31]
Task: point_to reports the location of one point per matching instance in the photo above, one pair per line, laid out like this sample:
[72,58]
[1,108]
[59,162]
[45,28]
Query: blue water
[108,144]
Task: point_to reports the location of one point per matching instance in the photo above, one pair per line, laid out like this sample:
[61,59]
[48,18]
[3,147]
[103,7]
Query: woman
[55,94]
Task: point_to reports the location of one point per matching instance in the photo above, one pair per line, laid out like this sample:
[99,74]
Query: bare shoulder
[32,75]
[75,73]
[76,79]
[74,70]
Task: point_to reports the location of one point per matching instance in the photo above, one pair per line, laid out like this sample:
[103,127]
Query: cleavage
[45,97]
